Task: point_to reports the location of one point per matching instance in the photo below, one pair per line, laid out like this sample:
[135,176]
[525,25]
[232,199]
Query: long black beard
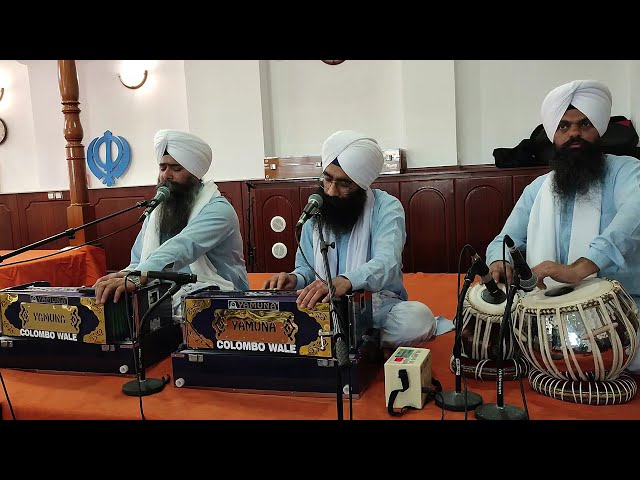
[173,213]
[341,214]
[577,170]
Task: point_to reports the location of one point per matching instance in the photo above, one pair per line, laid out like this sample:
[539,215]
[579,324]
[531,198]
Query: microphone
[528,279]
[497,295]
[313,205]
[161,195]
[176,277]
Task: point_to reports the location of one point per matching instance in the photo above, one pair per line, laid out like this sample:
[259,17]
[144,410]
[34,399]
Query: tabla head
[475,300]
[579,294]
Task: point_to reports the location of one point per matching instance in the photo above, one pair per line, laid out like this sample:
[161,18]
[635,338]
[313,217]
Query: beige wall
[443,112]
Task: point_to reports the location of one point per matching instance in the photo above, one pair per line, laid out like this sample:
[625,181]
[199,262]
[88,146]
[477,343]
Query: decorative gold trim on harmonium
[61,314]
[266,322]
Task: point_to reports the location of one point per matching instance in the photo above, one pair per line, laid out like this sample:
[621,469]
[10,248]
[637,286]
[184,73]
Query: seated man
[196,230]
[583,218]
[368,229]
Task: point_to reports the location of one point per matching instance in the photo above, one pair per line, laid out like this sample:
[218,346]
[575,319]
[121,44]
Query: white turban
[591,97]
[188,150]
[359,156]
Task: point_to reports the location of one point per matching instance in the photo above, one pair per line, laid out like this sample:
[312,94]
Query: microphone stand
[498,410]
[142,386]
[70,232]
[340,347]
[457,400]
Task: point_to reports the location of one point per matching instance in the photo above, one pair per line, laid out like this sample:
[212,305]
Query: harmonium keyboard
[259,341]
[63,329]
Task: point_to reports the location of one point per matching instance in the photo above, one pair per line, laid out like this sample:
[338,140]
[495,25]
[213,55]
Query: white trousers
[403,322]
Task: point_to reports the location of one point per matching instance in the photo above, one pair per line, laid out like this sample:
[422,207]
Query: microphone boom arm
[69,233]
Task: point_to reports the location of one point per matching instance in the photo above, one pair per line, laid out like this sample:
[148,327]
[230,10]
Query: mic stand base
[492,411]
[455,401]
[148,386]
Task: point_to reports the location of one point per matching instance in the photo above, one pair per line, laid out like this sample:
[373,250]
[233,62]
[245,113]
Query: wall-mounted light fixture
[132,75]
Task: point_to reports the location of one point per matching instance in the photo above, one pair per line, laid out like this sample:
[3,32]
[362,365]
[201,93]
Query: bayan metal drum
[481,321]
[580,342]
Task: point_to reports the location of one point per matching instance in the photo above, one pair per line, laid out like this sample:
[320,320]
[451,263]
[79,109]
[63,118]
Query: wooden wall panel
[520,181]
[391,185]
[108,201]
[249,227]
[233,192]
[9,222]
[42,218]
[430,220]
[482,207]
[270,203]
[445,207]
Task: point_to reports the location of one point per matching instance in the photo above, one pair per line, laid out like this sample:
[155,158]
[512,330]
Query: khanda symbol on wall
[108,170]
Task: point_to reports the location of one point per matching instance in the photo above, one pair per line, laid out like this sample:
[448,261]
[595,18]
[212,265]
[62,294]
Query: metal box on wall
[292,168]
[395,161]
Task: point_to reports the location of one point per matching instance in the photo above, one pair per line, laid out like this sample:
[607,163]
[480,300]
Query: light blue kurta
[383,270]
[401,322]
[214,231]
[616,250]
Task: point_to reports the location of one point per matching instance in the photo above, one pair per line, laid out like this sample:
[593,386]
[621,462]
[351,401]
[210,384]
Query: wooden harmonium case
[63,329]
[260,340]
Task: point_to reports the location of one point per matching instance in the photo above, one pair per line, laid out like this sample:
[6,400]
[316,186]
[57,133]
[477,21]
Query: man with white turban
[195,230]
[368,228]
[583,218]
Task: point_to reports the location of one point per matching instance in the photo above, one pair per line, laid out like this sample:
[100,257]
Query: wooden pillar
[80,211]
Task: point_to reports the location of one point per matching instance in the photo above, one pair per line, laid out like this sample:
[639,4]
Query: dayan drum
[579,343]
[481,321]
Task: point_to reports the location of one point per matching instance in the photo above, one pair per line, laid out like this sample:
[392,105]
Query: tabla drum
[579,343]
[481,321]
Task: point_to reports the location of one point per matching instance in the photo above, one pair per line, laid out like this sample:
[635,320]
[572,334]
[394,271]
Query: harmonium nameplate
[266,322]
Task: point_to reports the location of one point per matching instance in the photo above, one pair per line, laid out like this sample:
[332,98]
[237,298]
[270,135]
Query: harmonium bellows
[63,329]
[260,340]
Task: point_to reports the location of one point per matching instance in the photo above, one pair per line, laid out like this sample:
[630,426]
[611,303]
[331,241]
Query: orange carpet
[37,395]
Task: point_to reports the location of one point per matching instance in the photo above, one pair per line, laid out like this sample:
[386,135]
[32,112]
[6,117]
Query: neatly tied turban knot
[591,97]
[188,150]
[359,156]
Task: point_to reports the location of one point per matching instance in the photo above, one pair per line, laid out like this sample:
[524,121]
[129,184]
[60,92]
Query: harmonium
[259,341]
[63,329]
